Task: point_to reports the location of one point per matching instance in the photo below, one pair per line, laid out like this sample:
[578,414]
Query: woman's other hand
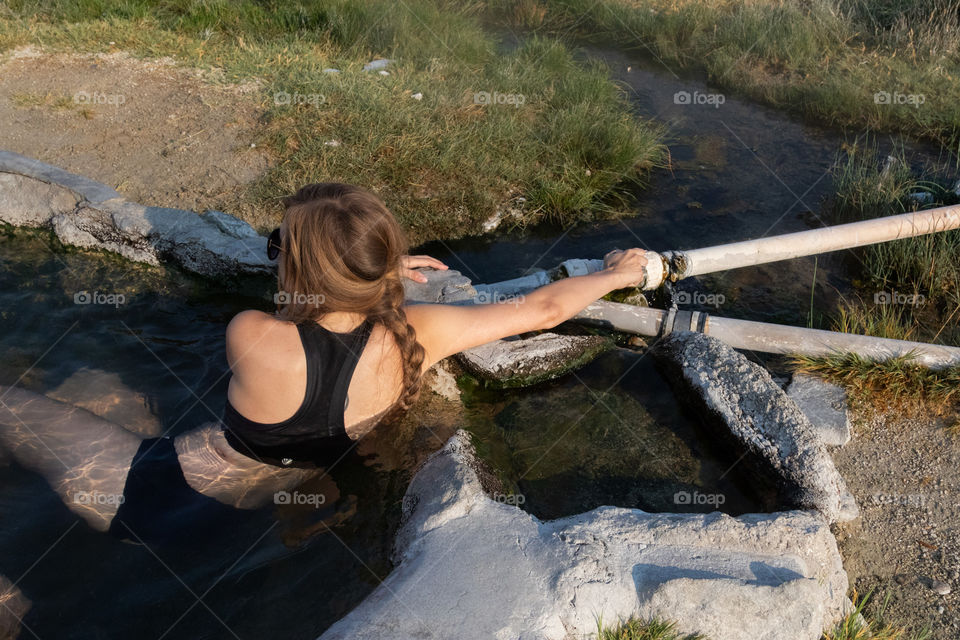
[409,263]
[629,265]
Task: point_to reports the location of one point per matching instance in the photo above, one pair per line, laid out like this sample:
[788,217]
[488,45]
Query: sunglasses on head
[273,244]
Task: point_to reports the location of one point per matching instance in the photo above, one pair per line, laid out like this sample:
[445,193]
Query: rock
[13,606]
[444,383]
[90,215]
[229,225]
[741,401]
[520,362]
[939,587]
[331,70]
[28,203]
[417,96]
[377,64]
[469,566]
[825,405]
[442,285]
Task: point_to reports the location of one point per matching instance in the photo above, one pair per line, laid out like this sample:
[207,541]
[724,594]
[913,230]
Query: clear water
[278,569]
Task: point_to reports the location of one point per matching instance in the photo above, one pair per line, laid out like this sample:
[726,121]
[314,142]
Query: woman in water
[342,354]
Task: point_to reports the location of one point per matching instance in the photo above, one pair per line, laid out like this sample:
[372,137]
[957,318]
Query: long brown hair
[340,251]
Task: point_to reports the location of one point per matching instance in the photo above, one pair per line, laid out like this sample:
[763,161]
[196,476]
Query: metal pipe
[761,336]
[814,241]
[677,265]
[740,334]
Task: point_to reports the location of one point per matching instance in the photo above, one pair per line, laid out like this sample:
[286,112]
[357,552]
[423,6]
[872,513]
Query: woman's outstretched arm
[444,330]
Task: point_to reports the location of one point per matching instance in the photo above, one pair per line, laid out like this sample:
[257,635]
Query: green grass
[859,625]
[634,629]
[868,186]
[908,289]
[897,383]
[823,58]
[444,163]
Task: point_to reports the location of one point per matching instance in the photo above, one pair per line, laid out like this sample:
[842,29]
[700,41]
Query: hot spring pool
[144,346]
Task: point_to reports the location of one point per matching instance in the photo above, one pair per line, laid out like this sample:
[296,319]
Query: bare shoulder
[249,321]
[251,332]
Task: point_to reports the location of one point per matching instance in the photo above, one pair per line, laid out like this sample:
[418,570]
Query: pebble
[417,96]
[940,587]
[384,73]
[940,609]
[332,143]
[331,70]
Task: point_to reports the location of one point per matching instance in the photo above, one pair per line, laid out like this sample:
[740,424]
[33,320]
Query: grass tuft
[897,383]
[855,626]
[634,629]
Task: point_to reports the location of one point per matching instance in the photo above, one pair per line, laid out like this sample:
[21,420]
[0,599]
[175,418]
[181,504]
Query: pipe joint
[677,320]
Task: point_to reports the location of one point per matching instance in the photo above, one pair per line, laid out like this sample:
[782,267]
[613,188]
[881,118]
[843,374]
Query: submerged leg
[84,458]
[13,606]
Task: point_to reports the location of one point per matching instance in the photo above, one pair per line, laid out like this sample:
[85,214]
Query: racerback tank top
[318,423]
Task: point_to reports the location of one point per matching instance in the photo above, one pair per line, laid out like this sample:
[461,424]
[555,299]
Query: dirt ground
[159,134]
[906,479]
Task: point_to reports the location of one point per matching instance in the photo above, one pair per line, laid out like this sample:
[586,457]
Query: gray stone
[519,362]
[27,203]
[469,566]
[825,405]
[228,224]
[740,399]
[90,190]
[90,215]
[442,285]
[940,588]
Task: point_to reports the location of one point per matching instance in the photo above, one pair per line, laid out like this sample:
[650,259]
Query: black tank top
[317,426]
